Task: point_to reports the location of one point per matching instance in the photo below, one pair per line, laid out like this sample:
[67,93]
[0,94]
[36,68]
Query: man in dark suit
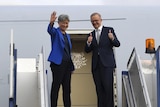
[101,42]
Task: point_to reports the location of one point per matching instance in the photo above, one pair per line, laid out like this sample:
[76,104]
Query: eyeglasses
[94,21]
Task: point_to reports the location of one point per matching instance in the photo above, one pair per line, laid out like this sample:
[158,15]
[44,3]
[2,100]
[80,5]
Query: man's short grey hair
[63,17]
[95,13]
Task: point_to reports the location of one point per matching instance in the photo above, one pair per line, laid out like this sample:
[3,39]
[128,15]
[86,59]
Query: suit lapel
[60,34]
[94,37]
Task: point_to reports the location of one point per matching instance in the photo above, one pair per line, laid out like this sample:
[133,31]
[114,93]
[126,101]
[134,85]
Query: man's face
[64,25]
[96,21]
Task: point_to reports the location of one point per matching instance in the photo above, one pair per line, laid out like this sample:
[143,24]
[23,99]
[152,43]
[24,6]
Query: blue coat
[57,45]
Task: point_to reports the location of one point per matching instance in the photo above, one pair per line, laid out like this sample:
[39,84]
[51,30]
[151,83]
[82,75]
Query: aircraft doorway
[83,92]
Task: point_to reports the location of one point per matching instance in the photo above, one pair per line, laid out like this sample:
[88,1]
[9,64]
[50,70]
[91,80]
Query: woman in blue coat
[60,59]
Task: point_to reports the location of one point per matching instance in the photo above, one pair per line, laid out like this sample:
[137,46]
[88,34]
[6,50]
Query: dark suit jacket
[105,48]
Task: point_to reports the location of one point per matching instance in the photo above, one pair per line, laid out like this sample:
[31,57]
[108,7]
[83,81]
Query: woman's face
[63,25]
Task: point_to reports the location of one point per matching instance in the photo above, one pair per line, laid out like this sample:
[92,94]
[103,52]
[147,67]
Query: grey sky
[82,2]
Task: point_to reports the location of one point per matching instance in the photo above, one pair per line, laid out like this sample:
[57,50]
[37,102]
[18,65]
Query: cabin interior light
[150,45]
